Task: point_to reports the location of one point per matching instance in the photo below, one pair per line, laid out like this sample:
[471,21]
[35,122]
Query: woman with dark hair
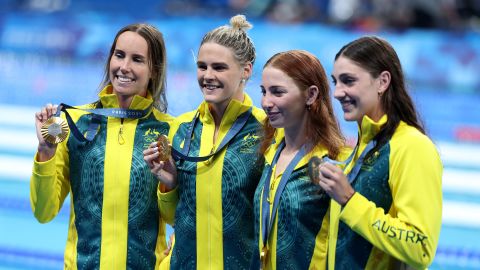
[387,204]
[291,221]
[115,220]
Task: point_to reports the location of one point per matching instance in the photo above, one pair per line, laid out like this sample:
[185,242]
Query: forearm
[399,237]
[48,190]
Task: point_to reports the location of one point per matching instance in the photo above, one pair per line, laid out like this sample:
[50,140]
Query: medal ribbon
[358,165]
[234,130]
[93,126]
[267,221]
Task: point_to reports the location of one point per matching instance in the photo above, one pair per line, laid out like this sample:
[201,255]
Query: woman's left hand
[335,183]
[165,171]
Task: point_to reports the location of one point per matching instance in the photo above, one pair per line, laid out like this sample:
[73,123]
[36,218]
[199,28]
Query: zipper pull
[121,140]
[209,161]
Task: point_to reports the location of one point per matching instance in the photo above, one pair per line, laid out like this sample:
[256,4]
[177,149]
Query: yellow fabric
[167,204]
[209,194]
[50,185]
[319,256]
[415,175]
[209,221]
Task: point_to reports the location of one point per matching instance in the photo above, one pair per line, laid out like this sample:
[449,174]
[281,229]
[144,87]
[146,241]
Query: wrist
[348,197]
[166,188]
[45,152]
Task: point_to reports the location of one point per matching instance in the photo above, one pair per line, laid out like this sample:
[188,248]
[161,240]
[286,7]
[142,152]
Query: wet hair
[157,61]
[322,127]
[376,55]
[234,37]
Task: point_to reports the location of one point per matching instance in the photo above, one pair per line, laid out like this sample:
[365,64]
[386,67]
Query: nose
[209,74]
[266,102]
[338,92]
[125,66]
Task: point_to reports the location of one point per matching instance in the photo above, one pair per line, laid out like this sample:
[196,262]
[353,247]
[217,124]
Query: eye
[277,91]
[139,59]
[334,82]
[348,80]
[201,66]
[220,67]
[119,54]
[263,91]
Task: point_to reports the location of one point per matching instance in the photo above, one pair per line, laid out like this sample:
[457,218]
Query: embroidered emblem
[249,143]
[151,135]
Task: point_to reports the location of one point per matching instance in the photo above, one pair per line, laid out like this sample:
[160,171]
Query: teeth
[124,79]
[210,87]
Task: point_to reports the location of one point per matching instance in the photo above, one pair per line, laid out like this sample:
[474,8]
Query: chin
[209,99]
[277,124]
[349,117]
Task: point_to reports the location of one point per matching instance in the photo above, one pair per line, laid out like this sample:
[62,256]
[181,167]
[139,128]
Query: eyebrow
[274,87]
[139,55]
[133,54]
[214,63]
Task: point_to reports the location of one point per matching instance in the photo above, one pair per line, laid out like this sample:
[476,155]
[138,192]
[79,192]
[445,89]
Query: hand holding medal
[50,130]
[164,148]
[50,126]
[159,160]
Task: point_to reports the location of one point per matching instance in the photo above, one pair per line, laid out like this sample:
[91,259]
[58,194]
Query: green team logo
[249,143]
[151,135]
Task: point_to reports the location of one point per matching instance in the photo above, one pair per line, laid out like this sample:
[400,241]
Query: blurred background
[54,51]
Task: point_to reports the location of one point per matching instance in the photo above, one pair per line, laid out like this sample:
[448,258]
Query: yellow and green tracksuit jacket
[394,218]
[298,239]
[214,215]
[115,221]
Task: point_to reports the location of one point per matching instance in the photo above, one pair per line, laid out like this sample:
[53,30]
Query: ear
[312,94]
[247,70]
[384,80]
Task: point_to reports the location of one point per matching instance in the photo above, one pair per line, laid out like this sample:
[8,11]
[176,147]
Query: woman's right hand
[165,171]
[45,149]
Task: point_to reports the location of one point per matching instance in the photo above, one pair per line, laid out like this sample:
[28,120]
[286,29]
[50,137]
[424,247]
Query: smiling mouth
[347,104]
[210,86]
[124,79]
[273,115]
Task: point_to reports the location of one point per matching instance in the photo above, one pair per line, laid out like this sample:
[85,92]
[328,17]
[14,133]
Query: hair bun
[240,22]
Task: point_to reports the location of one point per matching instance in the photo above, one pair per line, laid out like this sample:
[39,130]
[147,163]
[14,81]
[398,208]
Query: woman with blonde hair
[217,160]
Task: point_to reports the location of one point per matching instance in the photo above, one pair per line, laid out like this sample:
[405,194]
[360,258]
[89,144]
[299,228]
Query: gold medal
[54,130]
[263,258]
[314,168]
[163,148]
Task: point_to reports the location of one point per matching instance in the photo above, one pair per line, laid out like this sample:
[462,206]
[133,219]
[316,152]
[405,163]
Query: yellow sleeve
[49,184]
[167,203]
[411,228]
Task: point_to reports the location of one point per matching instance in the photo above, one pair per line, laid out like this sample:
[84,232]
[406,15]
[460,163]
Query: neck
[124,103]
[294,139]
[295,135]
[376,115]
[218,110]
